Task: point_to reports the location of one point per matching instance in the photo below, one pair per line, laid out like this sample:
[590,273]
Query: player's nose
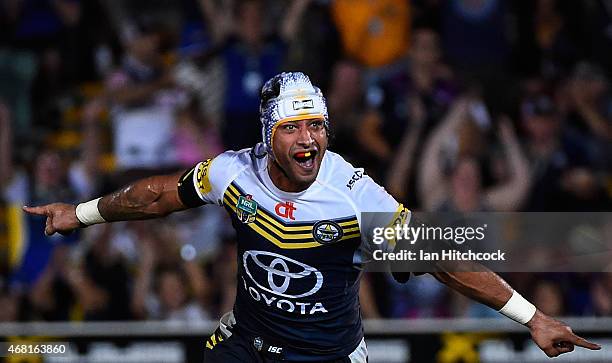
[304,137]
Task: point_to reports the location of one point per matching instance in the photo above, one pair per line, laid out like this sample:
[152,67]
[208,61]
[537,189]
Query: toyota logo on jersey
[279,281]
[281,275]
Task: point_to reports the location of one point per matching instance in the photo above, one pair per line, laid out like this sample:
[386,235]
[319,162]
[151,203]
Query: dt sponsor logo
[285,210]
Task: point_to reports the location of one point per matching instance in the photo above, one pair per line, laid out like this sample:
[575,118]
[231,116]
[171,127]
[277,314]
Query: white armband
[518,309]
[88,213]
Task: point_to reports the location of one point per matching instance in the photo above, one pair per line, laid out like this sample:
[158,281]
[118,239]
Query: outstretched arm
[153,197]
[156,196]
[552,336]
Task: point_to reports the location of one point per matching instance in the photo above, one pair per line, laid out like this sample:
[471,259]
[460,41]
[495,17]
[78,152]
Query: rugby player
[296,207]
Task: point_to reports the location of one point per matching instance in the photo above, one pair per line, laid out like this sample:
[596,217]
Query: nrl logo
[246,209]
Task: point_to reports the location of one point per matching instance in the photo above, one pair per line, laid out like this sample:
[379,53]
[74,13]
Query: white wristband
[88,213]
[518,309]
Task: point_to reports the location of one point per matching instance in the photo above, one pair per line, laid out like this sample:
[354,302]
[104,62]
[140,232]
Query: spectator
[142,99]
[195,137]
[37,24]
[589,104]
[562,176]
[37,31]
[35,258]
[317,36]
[93,289]
[250,56]
[346,105]
[104,274]
[474,34]
[598,22]
[462,307]
[601,295]
[223,276]
[50,296]
[548,40]
[548,296]
[410,103]
[476,41]
[163,280]
[174,300]
[9,311]
[374,33]
[9,301]
[47,180]
[461,188]
[420,297]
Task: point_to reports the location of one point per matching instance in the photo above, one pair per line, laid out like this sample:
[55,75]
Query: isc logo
[258,343]
[275,350]
[356,176]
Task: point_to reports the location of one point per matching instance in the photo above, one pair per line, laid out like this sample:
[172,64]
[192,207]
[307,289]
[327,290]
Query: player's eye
[289,127]
[316,124]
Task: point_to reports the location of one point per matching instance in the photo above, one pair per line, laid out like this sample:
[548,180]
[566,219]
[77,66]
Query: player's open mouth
[305,159]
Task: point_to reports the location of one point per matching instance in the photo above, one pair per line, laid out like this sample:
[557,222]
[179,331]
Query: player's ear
[330,135]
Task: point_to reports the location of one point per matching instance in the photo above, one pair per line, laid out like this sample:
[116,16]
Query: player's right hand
[61,217]
[554,337]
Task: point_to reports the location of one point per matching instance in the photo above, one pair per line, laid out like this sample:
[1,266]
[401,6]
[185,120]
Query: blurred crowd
[459,105]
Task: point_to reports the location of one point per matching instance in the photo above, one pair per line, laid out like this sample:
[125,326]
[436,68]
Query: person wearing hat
[298,212]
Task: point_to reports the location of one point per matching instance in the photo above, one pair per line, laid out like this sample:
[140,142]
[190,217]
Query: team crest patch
[246,209]
[326,232]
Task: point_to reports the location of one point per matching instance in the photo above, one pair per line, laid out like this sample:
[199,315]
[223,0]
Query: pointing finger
[41,211]
[581,342]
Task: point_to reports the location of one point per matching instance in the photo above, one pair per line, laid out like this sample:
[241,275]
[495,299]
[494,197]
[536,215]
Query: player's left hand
[555,337]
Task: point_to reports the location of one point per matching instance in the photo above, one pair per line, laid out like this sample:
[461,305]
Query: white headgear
[289,96]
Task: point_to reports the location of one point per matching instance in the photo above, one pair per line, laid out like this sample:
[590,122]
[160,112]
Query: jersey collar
[281,193]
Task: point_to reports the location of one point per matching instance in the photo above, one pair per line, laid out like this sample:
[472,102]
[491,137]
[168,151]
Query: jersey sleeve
[377,210]
[206,182]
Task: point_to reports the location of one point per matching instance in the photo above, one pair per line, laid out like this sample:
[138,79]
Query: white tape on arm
[88,213]
[518,309]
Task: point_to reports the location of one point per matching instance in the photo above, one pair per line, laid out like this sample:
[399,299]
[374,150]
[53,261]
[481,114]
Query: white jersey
[300,255]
